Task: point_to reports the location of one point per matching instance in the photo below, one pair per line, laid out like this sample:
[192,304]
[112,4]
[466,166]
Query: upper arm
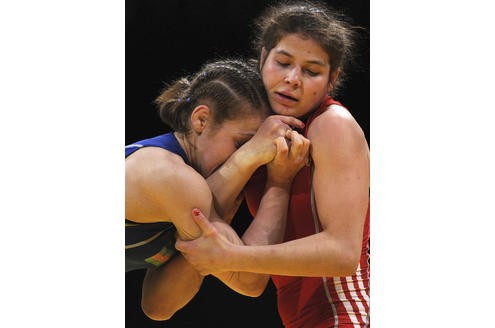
[161,187]
[341,175]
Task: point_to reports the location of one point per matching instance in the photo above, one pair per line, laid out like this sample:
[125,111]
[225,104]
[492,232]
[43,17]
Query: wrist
[283,184]
[235,258]
[246,161]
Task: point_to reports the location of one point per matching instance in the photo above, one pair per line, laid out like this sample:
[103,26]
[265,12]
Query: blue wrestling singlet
[151,244]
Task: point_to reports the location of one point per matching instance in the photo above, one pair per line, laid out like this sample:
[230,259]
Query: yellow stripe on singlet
[141,243]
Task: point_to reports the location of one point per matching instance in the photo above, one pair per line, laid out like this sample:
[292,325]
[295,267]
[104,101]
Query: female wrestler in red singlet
[321,270]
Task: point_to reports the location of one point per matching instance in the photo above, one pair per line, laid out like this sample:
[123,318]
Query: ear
[263,57]
[333,80]
[199,117]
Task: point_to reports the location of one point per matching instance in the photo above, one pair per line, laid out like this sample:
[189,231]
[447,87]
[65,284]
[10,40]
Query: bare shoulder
[159,184]
[335,121]
[336,132]
[153,163]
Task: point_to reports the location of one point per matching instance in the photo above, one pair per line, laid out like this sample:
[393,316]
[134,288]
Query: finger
[282,146]
[304,154]
[283,130]
[203,223]
[288,133]
[182,246]
[296,144]
[305,145]
[299,149]
[309,160]
[305,150]
[292,121]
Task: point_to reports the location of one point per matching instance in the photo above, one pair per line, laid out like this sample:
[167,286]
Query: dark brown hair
[330,29]
[232,88]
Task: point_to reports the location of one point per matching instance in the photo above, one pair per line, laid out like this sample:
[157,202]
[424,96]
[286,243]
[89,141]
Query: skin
[296,77]
[295,74]
[161,187]
[151,172]
[210,145]
[268,226]
[229,180]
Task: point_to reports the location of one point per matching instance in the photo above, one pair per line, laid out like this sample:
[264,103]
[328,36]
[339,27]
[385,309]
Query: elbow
[163,307]
[254,290]
[254,287]
[348,269]
[250,292]
[158,312]
[349,262]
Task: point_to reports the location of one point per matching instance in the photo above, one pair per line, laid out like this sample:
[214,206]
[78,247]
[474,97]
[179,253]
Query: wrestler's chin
[282,109]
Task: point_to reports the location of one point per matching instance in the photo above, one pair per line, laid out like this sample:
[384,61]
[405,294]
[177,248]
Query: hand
[262,145]
[292,155]
[208,254]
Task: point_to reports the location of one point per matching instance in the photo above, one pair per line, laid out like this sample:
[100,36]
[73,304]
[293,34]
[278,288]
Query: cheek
[219,155]
[317,90]
[269,75]
[226,152]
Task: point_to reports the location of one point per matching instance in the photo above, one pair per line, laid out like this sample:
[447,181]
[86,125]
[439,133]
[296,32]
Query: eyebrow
[315,61]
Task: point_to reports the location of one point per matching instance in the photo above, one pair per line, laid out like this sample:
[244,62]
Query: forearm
[227,183]
[245,283]
[267,228]
[268,225]
[312,256]
[169,288]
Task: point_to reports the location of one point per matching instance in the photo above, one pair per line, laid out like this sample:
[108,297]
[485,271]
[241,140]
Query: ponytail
[173,105]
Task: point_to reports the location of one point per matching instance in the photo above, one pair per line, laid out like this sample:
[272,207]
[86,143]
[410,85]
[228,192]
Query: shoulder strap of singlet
[166,141]
[328,101]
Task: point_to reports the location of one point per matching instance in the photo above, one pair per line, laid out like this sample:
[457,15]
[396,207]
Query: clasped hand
[208,254]
[212,251]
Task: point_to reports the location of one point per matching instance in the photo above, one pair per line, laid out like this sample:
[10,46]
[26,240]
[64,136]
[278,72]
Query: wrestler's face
[296,75]
[217,143]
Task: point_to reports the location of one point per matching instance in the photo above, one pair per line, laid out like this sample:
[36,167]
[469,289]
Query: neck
[188,146]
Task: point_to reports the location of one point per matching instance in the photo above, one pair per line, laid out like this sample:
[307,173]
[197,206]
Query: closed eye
[311,73]
[282,64]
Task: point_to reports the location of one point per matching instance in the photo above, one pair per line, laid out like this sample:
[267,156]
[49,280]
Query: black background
[166,39]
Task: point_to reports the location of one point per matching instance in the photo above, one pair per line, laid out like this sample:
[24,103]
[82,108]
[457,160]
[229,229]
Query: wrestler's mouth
[285,97]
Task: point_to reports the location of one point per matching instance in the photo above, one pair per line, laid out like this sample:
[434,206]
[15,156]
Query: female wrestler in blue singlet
[202,165]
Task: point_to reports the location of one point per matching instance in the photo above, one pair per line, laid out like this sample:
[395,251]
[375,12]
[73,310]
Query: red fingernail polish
[196,212]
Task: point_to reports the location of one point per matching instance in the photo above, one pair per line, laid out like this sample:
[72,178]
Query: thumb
[292,121]
[181,245]
[203,223]
[282,146]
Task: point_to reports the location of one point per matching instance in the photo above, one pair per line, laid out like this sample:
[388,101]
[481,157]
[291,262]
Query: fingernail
[196,212]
